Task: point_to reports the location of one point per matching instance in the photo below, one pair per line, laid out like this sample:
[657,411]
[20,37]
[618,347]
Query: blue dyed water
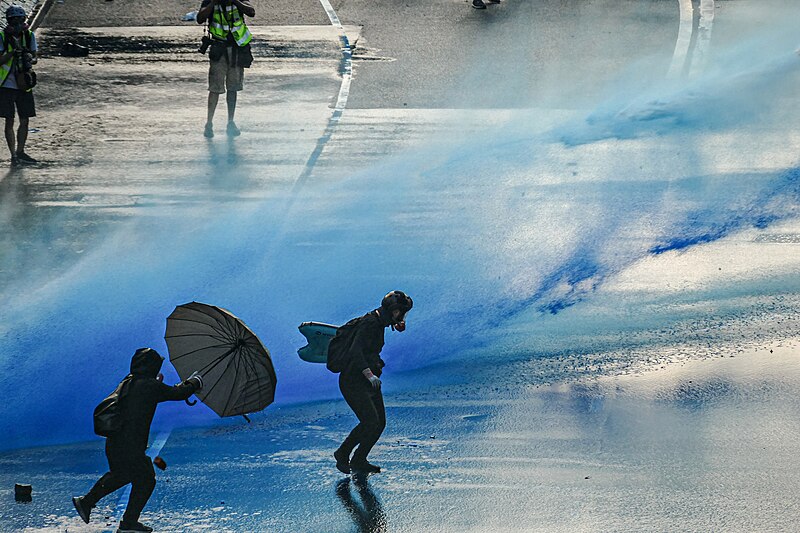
[505,250]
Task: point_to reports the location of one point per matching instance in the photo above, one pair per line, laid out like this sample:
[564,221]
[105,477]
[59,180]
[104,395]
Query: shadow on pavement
[368,515]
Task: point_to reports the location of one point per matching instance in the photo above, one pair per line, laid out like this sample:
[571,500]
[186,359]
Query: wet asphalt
[118,132]
[119,138]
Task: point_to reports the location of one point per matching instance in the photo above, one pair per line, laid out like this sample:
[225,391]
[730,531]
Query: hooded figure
[125,449]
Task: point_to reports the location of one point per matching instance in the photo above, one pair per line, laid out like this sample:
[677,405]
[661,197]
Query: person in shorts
[18,46]
[229,54]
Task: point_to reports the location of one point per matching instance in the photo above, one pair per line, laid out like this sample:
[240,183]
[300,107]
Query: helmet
[15,11]
[397,300]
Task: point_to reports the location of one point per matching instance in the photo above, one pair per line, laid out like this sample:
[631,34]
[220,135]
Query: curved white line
[683,41]
[341,100]
[703,42]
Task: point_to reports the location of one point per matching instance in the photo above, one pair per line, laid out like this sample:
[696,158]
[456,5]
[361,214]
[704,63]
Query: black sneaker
[342,461]
[478,4]
[25,158]
[83,510]
[14,161]
[208,131]
[138,527]
[364,466]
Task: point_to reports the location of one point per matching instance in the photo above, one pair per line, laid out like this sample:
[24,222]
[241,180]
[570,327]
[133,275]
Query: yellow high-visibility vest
[5,69]
[227,19]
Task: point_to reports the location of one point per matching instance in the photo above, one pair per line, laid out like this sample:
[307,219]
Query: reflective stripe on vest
[228,19]
[5,69]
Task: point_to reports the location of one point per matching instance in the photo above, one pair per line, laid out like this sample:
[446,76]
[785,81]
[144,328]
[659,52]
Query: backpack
[108,413]
[339,347]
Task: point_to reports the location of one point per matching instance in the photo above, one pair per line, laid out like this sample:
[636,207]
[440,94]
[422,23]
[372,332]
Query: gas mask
[400,323]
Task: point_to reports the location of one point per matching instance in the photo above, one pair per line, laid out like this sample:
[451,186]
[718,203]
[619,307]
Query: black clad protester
[125,449]
[355,353]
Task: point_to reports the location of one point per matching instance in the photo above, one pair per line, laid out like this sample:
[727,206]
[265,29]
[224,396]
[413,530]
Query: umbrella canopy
[237,371]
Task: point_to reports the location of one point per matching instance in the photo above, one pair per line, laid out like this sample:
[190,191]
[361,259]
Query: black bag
[245,56]
[339,347]
[108,413]
[26,80]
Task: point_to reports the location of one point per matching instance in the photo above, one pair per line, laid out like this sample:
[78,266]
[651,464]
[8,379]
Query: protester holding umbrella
[355,353]
[125,448]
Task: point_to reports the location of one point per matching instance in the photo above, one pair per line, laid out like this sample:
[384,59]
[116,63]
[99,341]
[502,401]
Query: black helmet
[397,300]
[15,11]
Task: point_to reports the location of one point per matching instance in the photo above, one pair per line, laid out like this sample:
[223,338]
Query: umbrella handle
[188,402]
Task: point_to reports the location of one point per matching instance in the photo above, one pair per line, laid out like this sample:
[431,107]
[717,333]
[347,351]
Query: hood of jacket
[146,362]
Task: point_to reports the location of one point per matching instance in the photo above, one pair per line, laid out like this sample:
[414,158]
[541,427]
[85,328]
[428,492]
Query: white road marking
[703,41]
[341,100]
[683,41]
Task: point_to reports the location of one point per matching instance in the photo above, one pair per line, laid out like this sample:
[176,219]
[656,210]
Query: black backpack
[339,347]
[108,413]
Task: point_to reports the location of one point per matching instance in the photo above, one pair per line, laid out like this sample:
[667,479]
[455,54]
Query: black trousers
[125,466]
[367,404]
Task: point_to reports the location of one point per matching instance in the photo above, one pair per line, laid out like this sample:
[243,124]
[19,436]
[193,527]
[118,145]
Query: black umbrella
[237,372]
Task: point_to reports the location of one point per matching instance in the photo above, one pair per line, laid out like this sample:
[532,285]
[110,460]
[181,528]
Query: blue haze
[501,248]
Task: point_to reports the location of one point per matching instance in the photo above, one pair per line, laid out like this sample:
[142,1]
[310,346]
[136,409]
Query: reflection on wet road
[365,510]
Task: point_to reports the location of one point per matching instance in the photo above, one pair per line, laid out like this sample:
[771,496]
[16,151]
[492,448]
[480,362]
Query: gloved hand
[375,382]
[197,379]
[373,379]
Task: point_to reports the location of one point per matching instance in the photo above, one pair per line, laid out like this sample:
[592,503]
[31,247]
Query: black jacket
[366,343]
[138,404]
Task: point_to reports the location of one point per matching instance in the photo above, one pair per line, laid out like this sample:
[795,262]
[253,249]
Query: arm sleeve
[181,391]
[33,45]
[202,5]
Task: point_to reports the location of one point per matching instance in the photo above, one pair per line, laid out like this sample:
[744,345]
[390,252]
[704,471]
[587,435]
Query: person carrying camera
[228,41]
[18,46]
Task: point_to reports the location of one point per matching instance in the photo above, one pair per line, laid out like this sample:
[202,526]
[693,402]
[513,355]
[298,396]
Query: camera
[25,59]
[205,42]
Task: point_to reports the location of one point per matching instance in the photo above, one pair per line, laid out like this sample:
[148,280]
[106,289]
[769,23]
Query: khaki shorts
[222,77]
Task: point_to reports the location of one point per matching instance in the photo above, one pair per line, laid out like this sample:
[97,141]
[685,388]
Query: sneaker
[138,527]
[208,132]
[342,461]
[478,4]
[25,158]
[14,161]
[364,466]
[83,510]
[232,130]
